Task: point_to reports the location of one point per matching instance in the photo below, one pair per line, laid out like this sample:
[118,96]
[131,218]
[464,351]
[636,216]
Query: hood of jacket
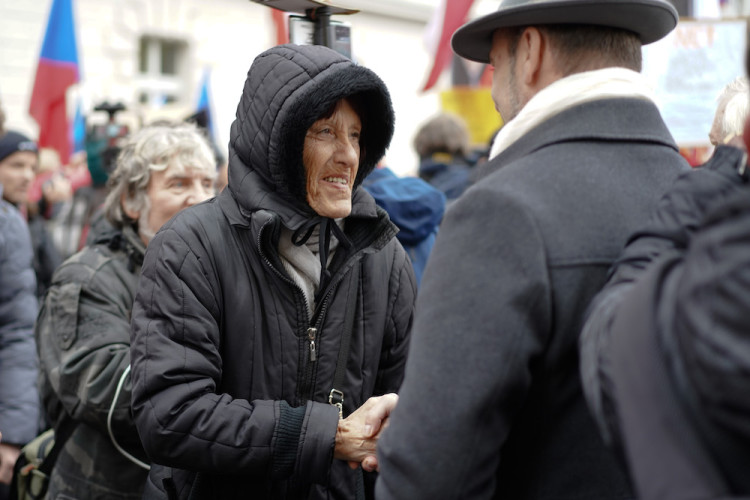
[287,89]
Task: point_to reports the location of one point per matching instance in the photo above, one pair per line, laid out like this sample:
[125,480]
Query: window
[160,63]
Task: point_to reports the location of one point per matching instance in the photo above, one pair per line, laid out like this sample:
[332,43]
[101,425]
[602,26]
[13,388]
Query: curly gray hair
[736,105]
[153,148]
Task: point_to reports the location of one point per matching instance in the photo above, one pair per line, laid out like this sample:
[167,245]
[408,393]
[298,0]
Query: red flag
[451,14]
[279,21]
[57,70]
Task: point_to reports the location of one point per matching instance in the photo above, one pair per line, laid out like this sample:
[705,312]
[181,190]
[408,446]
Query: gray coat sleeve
[482,313]
[19,399]
[183,420]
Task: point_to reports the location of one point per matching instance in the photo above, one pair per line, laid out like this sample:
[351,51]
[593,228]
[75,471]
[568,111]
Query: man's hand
[8,456]
[358,433]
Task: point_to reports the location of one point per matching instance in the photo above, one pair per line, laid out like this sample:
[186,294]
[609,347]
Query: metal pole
[322,18]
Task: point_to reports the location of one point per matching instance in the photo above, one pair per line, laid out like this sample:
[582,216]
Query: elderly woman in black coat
[268,318]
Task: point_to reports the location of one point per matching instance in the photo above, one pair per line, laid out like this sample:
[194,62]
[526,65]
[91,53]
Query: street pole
[322,21]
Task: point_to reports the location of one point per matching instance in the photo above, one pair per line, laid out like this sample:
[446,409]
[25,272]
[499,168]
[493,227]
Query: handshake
[357,435]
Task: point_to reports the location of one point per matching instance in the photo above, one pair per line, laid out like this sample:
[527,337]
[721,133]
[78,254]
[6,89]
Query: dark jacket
[46,255]
[83,338]
[19,399]
[492,393]
[664,352]
[449,174]
[414,206]
[226,394]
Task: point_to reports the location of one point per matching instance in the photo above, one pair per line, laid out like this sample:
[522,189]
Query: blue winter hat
[13,142]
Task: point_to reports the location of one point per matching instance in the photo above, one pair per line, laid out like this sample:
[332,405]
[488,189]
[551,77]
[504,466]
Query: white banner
[689,68]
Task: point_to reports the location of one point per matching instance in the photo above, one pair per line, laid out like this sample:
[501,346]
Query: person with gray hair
[443,146]
[83,328]
[731,113]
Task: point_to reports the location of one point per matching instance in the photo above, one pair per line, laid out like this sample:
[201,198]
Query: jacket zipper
[313,329]
[305,389]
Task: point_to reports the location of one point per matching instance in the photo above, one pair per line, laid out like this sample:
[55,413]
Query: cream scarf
[568,92]
[302,263]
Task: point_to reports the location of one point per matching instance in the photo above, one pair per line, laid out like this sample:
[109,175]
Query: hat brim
[651,20]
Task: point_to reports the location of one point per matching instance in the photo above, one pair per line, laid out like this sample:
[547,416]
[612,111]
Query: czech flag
[57,70]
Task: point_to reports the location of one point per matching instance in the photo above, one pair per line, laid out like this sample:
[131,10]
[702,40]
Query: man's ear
[531,54]
[127,207]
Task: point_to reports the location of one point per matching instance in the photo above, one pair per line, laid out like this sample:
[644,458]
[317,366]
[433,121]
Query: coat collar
[616,120]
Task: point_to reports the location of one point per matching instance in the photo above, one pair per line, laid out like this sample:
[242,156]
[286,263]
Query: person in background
[19,160]
[664,350]
[64,194]
[414,206]
[83,328]
[491,405]
[443,146]
[731,112]
[270,319]
[19,399]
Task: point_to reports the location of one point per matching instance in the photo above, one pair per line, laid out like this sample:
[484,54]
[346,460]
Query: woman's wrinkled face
[331,159]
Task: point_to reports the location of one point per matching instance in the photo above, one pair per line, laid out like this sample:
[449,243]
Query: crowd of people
[562,316]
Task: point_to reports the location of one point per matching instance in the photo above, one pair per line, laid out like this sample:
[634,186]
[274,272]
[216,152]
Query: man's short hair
[153,148]
[734,98]
[444,133]
[584,47]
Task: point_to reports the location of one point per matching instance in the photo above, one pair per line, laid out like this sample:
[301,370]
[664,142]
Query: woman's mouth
[337,180]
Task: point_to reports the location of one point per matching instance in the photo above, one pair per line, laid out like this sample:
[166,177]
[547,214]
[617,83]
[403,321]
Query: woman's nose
[349,152]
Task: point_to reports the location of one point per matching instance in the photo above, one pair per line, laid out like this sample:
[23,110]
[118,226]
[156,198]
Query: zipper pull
[311,332]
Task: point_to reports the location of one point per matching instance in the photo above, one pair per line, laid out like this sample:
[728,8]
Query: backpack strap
[62,433]
[336,396]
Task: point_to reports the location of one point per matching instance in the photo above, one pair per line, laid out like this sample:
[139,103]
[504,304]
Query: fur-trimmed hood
[287,89]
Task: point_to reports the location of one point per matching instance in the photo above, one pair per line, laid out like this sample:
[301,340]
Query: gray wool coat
[492,394]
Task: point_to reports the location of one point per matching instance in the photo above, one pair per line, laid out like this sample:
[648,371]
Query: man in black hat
[492,405]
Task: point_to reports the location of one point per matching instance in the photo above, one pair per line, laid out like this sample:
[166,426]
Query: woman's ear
[127,207]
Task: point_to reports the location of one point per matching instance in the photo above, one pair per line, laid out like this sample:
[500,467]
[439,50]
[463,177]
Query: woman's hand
[357,434]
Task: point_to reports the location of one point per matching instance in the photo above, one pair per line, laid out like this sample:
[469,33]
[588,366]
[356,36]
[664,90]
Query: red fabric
[486,79]
[282,31]
[48,104]
[453,17]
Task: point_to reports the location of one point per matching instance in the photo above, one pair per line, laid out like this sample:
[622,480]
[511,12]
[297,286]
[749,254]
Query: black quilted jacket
[225,394]
[665,354]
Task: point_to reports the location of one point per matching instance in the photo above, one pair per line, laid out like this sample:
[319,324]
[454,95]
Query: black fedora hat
[651,20]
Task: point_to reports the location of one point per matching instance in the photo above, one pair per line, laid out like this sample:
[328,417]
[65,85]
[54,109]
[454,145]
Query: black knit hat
[13,142]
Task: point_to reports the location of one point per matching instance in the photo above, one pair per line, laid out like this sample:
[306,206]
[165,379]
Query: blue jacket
[414,206]
[19,400]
